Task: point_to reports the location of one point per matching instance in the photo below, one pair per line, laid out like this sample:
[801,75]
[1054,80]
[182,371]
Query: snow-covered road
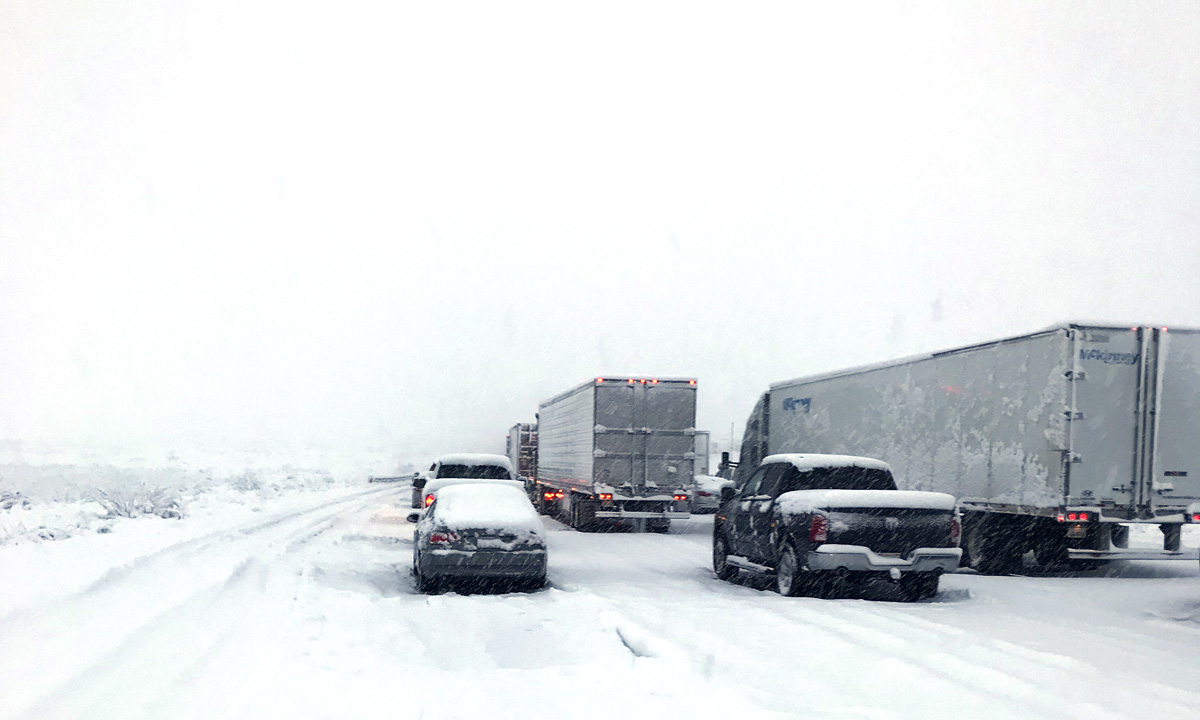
[307,610]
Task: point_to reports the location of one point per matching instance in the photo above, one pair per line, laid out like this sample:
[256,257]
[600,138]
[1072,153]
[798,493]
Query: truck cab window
[770,482]
[751,487]
[794,480]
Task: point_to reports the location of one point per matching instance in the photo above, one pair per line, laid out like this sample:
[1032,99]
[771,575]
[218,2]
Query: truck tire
[721,565]
[919,586]
[788,580]
[994,546]
[583,516]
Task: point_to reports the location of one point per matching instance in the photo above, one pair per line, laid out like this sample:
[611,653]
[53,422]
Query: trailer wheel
[994,546]
[583,515]
[919,586]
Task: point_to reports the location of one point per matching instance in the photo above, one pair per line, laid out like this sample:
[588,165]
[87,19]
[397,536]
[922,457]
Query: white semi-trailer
[1054,442]
[617,450]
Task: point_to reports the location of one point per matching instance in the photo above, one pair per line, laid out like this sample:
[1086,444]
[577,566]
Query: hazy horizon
[392,230]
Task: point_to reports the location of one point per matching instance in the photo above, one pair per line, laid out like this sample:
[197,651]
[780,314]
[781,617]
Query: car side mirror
[727,493]
[413,517]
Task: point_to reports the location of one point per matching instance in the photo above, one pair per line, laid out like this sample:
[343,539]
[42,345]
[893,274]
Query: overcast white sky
[391,229]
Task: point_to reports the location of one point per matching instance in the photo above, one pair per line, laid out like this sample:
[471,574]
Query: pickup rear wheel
[787,572]
[721,565]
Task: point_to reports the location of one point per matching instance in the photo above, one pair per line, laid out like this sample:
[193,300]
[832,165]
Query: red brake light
[428,500]
[548,495]
[691,382]
[632,381]
[606,496]
[558,495]
[955,530]
[819,530]
[443,537]
[681,497]
[599,380]
[1196,517]
[653,382]
[1062,518]
[1072,516]
[1083,516]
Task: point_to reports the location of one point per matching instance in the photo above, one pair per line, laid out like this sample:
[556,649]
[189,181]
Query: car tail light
[1196,517]
[819,530]
[548,495]
[443,538]
[558,495]
[606,497]
[955,530]
[428,499]
[680,497]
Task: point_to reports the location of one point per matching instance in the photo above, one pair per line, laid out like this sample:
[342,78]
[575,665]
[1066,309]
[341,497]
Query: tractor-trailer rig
[617,450]
[521,448]
[1055,442]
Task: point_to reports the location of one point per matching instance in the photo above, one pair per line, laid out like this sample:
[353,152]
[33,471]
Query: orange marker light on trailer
[691,382]
[599,380]
[631,381]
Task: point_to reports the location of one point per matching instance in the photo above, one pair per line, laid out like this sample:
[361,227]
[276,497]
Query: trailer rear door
[1175,475]
[644,435]
[1104,418]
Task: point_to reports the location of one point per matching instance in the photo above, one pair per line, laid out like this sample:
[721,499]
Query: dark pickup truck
[819,523]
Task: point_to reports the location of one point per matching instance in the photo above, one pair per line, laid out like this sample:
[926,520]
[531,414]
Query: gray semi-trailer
[617,450]
[1054,442]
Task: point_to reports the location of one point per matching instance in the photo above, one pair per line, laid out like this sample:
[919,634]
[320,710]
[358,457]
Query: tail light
[680,497]
[1196,517]
[558,495]
[955,530]
[428,499]
[606,497]
[548,495]
[443,538]
[1073,517]
[819,530]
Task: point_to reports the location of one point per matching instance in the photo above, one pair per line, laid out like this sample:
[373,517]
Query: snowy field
[274,600]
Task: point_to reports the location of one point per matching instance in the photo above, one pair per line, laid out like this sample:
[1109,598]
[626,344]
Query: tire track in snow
[92,638]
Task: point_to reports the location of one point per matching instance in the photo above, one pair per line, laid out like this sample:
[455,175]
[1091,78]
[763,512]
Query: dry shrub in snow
[137,501]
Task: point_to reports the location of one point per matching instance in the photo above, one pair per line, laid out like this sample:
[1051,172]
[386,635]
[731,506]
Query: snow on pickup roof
[809,461]
[806,501]
[475,459]
[491,506]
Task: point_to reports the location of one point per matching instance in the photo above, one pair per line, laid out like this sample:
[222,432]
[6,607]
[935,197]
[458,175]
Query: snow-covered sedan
[461,465]
[705,493]
[480,531]
[819,523]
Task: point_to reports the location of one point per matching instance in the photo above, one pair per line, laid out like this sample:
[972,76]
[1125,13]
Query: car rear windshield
[847,478]
[487,472]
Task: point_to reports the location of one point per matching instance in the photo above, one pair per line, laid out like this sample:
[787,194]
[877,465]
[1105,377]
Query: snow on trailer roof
[1062,327]
[475,459]
[621,380]
[810,461]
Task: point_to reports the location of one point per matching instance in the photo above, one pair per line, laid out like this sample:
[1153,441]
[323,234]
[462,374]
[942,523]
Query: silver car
[476,532]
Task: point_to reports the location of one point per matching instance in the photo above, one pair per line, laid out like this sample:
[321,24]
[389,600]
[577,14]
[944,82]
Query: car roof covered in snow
[487,505]
[810,461]
[475,459]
